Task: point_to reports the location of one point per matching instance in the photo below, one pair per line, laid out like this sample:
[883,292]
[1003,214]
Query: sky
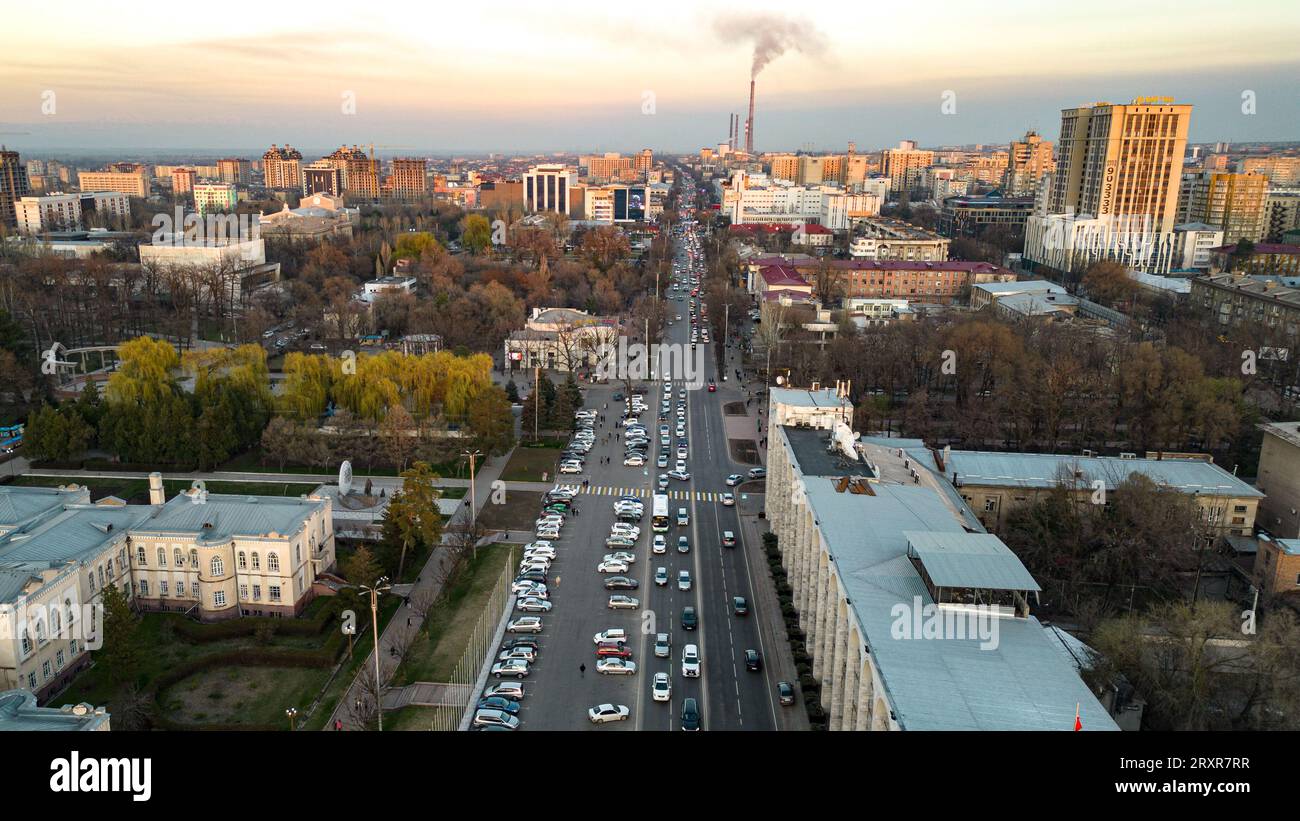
[511,76]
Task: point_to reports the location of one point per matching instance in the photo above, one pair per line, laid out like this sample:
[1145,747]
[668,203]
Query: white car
[525,624]
[533,547]
[532,604]
[620,602]
[728,500]
[662,688]
[536,591]
[612,567]
[612,634]
[548,532]
[684,580]
[680,466]
[524,584]
[691,661]
[540,554]
[534,563]
[620,556]
[680,475]
[683,451]
[570,467]
[615,667]
[603,713]
[660,544]
[624,529]
[634,461]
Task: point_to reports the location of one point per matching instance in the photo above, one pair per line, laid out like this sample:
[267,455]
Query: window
[177,558]
[144,587]
[243,592]
[990,504]
[257,562]
[90,579]
[45,668]
[218,567]
[194,559]
[274,591]
[243,561]
[72,648]
[56,623]
[162,557]
[31,680]
[101,576]
[27,643]
[162,588]
[1239,509]
[139,556]
[297,553]
[273,562]
[109,564]
[40,632]
[194,590]
[219,598]
[257,592]
[58,660]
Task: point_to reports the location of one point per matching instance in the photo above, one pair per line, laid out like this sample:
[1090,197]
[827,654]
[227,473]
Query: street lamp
[473,506]
[381,585]
[292,713]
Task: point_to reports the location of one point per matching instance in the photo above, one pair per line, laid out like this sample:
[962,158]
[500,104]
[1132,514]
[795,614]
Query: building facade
[1232,203]
[282,168]
[548,188]
[59,212]
[1278,478]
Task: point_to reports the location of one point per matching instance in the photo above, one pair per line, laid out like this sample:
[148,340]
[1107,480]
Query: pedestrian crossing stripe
[641,493]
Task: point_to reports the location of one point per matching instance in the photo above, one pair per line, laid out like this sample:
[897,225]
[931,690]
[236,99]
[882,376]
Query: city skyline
[465,82]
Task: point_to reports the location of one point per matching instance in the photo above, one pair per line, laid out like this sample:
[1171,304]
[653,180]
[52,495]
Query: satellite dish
[345,478]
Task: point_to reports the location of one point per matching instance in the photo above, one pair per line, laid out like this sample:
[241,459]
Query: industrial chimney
[749,124]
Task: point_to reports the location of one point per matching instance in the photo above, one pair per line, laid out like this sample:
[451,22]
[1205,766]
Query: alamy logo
[128,775]
[919,621]
[624,361]
[70,621]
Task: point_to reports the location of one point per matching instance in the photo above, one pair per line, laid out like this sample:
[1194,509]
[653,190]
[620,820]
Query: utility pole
[537,398]
[473,507]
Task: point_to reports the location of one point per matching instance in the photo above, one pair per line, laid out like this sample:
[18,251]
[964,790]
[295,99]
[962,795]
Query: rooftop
[969,560]
[19,505]
[811,451]
[18,711]
[1287,431]
[1029,286]
[220,517]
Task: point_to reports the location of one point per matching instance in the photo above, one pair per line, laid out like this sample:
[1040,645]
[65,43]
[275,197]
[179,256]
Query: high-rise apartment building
[1282,172]
[408,180]
[1282,213]
[360,174]
[1122,161]
[211,197]
[13,186]
[322,177]
[183,181]
[547,187]
[235,171]
[1233,203]
[125,178]
[1028,161]
[610,166]
[645,161]
[903,165]
[282,167]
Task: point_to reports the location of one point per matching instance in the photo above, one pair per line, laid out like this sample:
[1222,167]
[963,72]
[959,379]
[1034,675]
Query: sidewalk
[406,623]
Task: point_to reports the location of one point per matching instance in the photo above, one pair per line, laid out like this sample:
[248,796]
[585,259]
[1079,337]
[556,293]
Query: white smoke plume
[772,35]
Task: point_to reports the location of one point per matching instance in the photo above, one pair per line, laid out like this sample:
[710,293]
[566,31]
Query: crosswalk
[642,493]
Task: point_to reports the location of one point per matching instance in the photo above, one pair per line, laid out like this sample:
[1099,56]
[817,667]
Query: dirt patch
[518,512]
[528,464]
[744,451]
[239,695]
[734,409]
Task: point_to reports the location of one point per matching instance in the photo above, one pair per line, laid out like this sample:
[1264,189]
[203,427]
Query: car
[532,590]
[615,667]
[495,718]
[620,556]
[532,604]
[661,689]
[680,467]
[620,540]
[516,668]
[522,641]
[612,634]
[734,479]
[620,583]
[512,690]
[570,467]
[533,576]
[536,553]
[525,624]
[757,473]
[728,500]
[620,602]
[662,460]
[683,580]
[534,564]
[603,713]
[753,661]
[521,585]
[660,544]
[683,545]
[609,566]
[662,482]
[690,715]
[501,703]
[613,649]
[785,692]
[634,461]
[528,654]
[618,397]
[680,475]
[663,645]
[661,576]
[739,606]
[689,618]
[690,661]
[623,528]
[728,539]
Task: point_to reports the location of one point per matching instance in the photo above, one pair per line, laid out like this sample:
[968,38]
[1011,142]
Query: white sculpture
[345,478]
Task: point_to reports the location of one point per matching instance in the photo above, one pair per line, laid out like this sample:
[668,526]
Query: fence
[462,685]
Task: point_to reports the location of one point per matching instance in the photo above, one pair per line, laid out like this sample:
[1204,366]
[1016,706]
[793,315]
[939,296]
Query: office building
[322,177]
[1194,244]
[548,188]
[884,238]
[13,186]
[971,216]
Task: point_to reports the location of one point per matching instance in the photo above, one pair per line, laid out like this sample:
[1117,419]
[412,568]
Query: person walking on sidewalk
[582,670]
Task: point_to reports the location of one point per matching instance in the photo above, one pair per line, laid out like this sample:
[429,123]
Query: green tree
[361,568]
[412,519]
[512,391]
[121,651]
[492,421]
[476,233]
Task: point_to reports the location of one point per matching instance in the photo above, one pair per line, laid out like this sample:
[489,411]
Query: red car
[611,650]
[712,387]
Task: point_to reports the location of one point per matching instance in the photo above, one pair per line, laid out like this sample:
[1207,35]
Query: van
[682,518]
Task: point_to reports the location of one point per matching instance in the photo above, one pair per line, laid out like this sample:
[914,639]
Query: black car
[620,583]
[532,576]
[785,692]
[689,620]
[618,397]
[690,715]
[530,642]
[753,662]
[740,606]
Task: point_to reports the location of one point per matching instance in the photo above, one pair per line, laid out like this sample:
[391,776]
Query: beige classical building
[562,339]
[213,556]
[915,618]
[1279,479]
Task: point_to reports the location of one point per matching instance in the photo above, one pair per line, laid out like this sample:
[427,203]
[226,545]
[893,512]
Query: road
[729,696]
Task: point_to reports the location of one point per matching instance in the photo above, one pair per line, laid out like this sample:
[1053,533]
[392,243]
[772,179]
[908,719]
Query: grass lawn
[137,490]
[239,695]
[518,513]
[450,623]
[250,461]
[528,464]
[387,607]
[419,718]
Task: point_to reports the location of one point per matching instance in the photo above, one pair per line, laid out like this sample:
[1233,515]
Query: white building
[1194,243]
[61,212]
[373,289]
[549,187]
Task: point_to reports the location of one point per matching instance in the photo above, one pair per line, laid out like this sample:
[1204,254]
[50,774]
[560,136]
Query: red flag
[1078,725]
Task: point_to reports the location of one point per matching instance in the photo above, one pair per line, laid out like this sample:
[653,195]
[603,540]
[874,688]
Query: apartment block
[60,212]
[1233,203]
[123,178]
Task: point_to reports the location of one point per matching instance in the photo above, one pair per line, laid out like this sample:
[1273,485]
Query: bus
[659,521]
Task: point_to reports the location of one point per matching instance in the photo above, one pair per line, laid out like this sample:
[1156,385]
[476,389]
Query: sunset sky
[507,75]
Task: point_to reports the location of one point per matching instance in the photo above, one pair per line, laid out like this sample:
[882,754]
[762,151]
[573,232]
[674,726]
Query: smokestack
[735,130]
[749,124]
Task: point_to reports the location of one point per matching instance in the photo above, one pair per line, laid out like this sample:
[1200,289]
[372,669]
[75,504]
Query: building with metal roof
[892,650]
[18,712]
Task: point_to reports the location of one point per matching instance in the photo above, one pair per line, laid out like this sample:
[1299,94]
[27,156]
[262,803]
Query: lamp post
[292,713]
[473,506]
[380,586]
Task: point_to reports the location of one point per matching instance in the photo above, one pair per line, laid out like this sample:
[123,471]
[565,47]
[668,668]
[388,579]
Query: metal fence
[462,685]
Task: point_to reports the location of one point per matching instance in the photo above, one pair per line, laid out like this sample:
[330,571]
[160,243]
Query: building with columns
[887,565]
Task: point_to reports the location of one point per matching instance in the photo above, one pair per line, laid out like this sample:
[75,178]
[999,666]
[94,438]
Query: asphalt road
[730,697]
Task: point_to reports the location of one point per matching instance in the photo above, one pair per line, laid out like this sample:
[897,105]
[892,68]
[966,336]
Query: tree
[412,518]
[492,421]
[397,434]
[512,392]
[121,650]
[58,435]
[476,234]
[1108,282]
[279,441]
[361,568]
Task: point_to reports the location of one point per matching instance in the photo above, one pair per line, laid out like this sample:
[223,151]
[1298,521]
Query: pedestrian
[582,670]
[408,621]
[338,724]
